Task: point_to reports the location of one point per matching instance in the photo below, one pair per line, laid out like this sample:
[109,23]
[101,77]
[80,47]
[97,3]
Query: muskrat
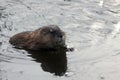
[46,37]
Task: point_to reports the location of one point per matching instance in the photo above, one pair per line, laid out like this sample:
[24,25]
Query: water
[92,27]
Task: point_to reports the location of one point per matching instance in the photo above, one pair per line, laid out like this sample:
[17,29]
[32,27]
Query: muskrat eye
[60,36]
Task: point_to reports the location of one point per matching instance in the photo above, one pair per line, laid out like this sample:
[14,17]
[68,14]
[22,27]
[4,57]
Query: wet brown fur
[40,38]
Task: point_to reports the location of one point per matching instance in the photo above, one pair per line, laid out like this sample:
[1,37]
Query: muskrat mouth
[59,41]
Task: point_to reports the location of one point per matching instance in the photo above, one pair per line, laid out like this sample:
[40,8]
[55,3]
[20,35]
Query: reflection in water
[51,61]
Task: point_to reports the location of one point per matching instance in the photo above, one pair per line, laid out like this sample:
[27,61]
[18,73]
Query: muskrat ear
[40,30]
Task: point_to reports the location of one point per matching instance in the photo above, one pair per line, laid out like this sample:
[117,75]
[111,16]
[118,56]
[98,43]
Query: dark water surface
[92,27]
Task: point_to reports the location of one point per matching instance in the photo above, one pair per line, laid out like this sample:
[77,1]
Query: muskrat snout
[58,35]
[60,39]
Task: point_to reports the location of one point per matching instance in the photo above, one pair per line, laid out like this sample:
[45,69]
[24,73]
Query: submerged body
[46,37]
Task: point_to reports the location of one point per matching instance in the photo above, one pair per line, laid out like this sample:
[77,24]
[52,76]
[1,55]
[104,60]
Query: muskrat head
[49,37]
